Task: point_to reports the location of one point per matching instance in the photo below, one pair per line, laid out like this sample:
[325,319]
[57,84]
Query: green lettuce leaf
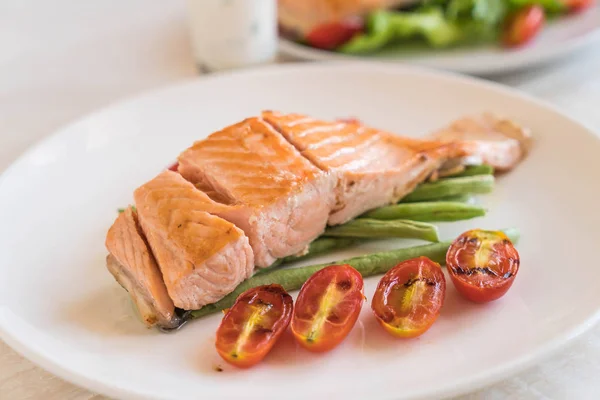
[385,27]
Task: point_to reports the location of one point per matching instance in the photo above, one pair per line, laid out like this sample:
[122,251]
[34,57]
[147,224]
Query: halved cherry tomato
[327,307]
[332,35]
[253,324]
[522,26]
[482,264]
[173,167]
[409,297]
[575,6]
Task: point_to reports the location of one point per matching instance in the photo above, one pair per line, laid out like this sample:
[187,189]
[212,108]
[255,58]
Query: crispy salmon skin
[132,264]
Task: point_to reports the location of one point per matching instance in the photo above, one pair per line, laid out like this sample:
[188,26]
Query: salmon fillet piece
[202,257]
[263,185]
[488,139]
[132,264]
[373,168]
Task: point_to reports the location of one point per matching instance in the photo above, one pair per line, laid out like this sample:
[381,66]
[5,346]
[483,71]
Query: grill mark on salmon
[132,264]
[372,167]
[202,257]
[265,187]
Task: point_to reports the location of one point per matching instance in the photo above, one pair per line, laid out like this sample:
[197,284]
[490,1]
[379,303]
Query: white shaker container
[229,34]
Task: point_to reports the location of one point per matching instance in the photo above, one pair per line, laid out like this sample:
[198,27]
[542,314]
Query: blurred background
[63,59]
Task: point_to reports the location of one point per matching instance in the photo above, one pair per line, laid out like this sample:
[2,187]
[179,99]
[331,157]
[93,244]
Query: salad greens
[384,27]
[441,23]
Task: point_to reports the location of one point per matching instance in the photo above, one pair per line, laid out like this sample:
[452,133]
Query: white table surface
[62,59]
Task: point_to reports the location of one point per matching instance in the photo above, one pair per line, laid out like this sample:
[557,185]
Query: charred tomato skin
[252,326]
[327,307]
[482,265]
[409,297]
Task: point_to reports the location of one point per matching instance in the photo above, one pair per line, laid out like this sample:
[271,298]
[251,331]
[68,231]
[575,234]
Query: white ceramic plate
[558,39]
[61,308]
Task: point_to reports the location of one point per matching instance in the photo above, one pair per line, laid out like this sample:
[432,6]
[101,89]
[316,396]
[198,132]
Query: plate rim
[39,357]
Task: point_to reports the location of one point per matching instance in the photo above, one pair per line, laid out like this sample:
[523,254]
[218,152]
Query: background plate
[62,309]
[558,39]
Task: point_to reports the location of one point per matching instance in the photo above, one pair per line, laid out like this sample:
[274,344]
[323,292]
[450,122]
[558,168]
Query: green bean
[427,211]
[459,198]
[367,265]
[473,170]
[373,228]
[451,187]
[470,170]
[319,246]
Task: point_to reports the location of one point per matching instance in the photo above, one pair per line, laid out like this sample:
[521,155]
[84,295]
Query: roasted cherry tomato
[523,25]
[327,307]
[578,5]
[409,297]
[173,167]
[332,35]
[482,264]
[253,324]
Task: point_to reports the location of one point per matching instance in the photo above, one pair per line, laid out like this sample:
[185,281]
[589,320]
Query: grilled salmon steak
[373,168]
[202,257]
[265,186]
[132,264]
